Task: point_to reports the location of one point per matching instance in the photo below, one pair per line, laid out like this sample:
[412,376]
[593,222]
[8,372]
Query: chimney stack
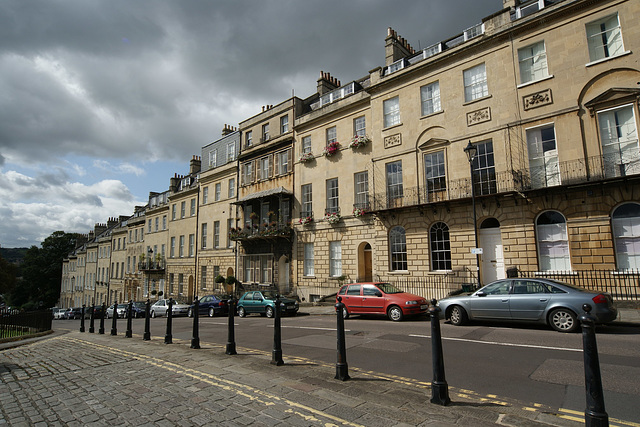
[396,47]
[327,83]
[226,130]
[194,165]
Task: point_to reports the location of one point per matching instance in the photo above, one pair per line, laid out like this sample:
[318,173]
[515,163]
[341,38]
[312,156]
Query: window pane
[604,38]
[543,156]
[619,137]
[391,112]
[430,97]
[395,189]
[440,247]
[434,173]
[398,249]
[335,259]
[553,244]
[626,234]
[475,83]
[533,62]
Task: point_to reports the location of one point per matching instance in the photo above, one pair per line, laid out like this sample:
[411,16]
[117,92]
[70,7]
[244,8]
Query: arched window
[398,249]
[553,243]
[440,247]
[626,235]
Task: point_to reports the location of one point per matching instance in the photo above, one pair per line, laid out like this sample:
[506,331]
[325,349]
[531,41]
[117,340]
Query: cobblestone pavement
[75,378]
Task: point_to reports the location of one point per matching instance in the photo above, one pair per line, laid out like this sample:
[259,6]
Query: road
[529,364]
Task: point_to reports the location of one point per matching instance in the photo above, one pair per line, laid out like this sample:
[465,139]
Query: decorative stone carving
[537,99]
[392,140]
[479,116]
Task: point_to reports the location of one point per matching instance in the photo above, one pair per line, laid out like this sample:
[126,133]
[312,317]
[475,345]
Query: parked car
[211,305]
[263,302]
[120,310]
[75,313]
[59,313]
[545,301]
[380,298]
[159,308]
[138,308]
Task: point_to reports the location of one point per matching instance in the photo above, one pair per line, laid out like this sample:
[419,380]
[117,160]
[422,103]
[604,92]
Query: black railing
[593,169]
[14,323]
[622,285]
[148,265]
[261,231]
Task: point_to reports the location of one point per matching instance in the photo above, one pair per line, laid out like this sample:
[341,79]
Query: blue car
[211,305]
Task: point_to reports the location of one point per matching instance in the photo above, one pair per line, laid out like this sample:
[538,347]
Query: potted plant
[331,149]
[358,212]
[306,220]
[219,279]
[333,218]
[307,157]
[359,141]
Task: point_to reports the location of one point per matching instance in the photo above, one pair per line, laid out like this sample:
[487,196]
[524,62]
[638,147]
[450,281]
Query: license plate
[424,306]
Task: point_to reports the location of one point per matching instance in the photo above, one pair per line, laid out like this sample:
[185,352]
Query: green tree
[42,272]
[7,276]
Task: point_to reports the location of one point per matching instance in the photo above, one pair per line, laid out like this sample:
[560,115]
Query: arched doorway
[492,258]
[365,266]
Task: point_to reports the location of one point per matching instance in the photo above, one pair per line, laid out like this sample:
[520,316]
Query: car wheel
[458,316]
[190,313]
[153,314]
[212,312]
[241,312]
[395,313]
[563,320]
[345,313]
[269,311]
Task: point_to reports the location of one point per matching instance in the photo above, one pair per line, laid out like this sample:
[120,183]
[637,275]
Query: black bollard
[595,414]
[168,338]
[104,310]
[91,317]
[195,339]
[276,354]
[342,369]
[129,333]
[147,311]
[82,319]
[114,322]
[439,387]
[231,336]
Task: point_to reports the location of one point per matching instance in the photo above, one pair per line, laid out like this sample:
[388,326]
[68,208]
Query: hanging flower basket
[331,149]
[306,220]
[358,212]
[333,218]
[359,141]
[307,157]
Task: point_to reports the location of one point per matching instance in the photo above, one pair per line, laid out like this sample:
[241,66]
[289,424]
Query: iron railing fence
[16,323]
[622,285]
[581,171]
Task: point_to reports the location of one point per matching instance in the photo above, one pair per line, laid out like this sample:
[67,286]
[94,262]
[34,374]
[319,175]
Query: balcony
[271,231]
[151,266]
[575,172]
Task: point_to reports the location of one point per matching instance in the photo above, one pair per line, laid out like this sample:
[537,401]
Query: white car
[160,307]
[121,310]
[59,313]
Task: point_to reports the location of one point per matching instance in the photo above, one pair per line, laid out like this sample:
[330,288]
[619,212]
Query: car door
[249,304]
[161,309]
[492,301]
[372,300]
[352,299]
[529,299]
[205,304]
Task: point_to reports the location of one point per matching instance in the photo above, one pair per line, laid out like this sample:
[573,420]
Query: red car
[380,298]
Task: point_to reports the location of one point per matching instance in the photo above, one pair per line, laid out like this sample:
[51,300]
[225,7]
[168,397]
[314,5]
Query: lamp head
[471,151]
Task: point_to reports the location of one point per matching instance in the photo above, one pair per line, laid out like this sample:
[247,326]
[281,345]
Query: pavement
[74,379]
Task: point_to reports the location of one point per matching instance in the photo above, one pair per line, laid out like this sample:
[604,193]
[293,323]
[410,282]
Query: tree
[7,276]
[42,272]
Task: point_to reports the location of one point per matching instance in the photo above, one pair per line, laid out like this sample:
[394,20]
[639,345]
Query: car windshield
[388,288]
[140,304]
[269,294]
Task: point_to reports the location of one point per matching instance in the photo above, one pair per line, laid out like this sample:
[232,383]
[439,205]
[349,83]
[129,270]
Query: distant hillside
[13,255]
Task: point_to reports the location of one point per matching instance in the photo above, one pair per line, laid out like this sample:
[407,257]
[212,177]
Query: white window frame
[335,258]
[308,264]
[552,241]
[360,126]
[391,111]
[332,135]
[604,43]
[532,62]
[475,83]
[544,167]
[430,98]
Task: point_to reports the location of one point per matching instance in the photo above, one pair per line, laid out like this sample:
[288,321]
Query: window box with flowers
[331,149]
[333,218]
[307,157]
[359,212]
[305,220]
[359,141]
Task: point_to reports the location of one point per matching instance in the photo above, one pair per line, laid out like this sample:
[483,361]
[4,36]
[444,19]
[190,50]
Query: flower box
[333,218]
[307,157]
[358,212]
[359,141]
[306,220]
[331,149]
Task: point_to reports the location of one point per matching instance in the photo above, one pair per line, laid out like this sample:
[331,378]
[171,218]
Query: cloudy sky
[103,101]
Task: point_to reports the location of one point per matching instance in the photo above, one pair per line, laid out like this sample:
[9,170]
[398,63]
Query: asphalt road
[529,364]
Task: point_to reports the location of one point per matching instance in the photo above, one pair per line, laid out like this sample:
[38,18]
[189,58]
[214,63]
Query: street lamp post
[471,152]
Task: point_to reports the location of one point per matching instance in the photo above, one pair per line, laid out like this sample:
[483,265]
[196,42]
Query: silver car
[160,307]
[554,303]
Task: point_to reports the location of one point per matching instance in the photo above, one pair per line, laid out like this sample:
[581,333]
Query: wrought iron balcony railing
[261,231]
[590,170]
[152,265]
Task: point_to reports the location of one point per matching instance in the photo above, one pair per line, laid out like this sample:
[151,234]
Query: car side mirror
[481,294]
[378,293]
